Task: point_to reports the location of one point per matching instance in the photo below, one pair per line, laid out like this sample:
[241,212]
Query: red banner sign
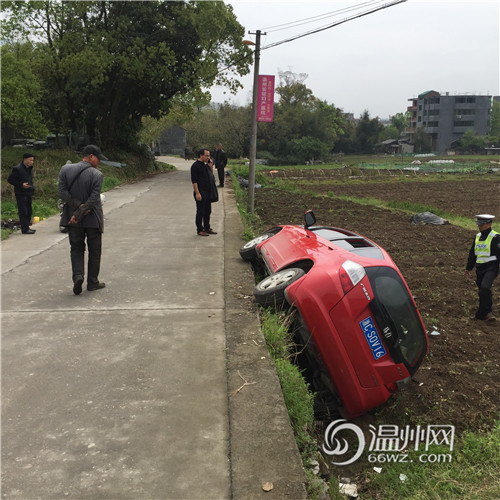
[265,99]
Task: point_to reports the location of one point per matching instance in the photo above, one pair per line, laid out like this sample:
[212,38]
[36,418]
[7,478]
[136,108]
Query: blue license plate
[373,338]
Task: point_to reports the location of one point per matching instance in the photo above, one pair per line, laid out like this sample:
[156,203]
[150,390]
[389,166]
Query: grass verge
[299,399]
[471,472]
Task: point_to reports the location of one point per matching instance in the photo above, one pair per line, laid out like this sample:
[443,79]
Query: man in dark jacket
[201,180]
[80,189]
[220,160]
[21,178]
[484,254]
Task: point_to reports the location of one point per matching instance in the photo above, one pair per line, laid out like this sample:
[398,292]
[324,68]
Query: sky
[379,61]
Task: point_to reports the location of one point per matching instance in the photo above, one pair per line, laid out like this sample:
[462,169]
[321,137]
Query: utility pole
[253,145]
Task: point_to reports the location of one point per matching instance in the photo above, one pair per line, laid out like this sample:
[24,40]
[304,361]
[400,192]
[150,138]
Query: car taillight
[351,273]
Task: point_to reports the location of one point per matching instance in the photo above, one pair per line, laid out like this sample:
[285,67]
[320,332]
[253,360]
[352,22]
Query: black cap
[92,149]
[28,155]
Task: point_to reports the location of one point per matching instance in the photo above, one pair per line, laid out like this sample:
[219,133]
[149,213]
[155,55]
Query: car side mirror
[309,219]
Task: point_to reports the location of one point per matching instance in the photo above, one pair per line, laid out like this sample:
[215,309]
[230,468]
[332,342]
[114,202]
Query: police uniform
[484,255]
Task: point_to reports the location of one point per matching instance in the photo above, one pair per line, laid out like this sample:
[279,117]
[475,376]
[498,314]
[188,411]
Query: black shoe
[77,287]
[96,286]
[29,231]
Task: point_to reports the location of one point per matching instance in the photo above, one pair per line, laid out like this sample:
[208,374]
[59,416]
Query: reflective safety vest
[482,249]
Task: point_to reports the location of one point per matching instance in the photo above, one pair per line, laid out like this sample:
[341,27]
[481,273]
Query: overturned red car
[361,329]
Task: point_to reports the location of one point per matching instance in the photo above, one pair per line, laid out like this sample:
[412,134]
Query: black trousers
[220,172]
[93,236]
[484,282]
[24,210]
[203,211]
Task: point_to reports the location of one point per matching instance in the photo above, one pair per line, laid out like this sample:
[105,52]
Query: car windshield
[397,317]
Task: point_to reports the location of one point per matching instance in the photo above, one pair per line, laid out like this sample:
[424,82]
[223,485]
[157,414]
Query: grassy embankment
[46,170]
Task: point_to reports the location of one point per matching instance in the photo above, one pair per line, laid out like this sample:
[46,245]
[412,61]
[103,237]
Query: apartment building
[447,117]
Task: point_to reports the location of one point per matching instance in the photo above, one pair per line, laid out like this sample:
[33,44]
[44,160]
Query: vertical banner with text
[265,99]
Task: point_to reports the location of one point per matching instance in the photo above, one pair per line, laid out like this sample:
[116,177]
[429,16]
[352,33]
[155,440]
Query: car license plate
[373,338]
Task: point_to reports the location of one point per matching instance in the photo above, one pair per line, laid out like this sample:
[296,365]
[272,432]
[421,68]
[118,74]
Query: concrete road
[130,391]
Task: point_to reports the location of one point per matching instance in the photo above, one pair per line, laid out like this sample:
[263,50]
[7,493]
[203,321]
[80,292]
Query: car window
[397,317]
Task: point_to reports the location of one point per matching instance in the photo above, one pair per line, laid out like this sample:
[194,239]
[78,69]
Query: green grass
[110,182]
[251,222]
[299,399]
[409,209]
[472,472]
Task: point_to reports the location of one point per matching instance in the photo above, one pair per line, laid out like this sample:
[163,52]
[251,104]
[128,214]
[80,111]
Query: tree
[400,121]
[389,132]
[367,133]
[470,142]
[21,108]
[104,65]
[299,115]
[422,141]
[230,125]
[494,135]
[308,148]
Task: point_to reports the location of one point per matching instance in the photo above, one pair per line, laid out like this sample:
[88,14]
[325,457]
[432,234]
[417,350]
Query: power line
[323,28]
[309,20]
[291,39]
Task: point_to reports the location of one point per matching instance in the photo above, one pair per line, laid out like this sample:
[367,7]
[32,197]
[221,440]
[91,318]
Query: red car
[360,325]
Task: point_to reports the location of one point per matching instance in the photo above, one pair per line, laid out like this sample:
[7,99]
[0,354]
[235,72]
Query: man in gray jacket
[80,189]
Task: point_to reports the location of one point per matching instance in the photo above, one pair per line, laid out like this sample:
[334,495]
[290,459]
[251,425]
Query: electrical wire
[320,17]
[317,30]
[323,28]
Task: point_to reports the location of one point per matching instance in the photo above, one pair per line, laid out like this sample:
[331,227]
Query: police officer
[485,256]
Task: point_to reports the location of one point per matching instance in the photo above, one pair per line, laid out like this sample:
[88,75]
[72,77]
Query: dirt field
[458,382]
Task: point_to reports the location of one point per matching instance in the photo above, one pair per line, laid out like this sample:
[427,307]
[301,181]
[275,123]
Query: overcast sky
[379,61]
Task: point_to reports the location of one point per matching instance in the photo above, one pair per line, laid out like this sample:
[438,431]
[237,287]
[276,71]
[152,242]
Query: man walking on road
[80,189]
[220,160]
[485,256]
[201,180]
[21,178]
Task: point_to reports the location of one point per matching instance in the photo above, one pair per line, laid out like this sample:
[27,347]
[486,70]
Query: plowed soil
[459,381]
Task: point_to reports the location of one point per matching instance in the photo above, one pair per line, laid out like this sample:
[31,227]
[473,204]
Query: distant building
[447,117]
[172,141]
[396,146]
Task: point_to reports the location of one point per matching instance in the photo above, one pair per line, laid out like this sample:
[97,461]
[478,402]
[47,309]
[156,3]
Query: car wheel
[248,251]
[271,291]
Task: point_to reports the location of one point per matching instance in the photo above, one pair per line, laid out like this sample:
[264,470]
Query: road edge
[262,445]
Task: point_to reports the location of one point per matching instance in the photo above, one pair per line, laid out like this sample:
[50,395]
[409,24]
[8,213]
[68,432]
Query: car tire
[271,290]
[248,252]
